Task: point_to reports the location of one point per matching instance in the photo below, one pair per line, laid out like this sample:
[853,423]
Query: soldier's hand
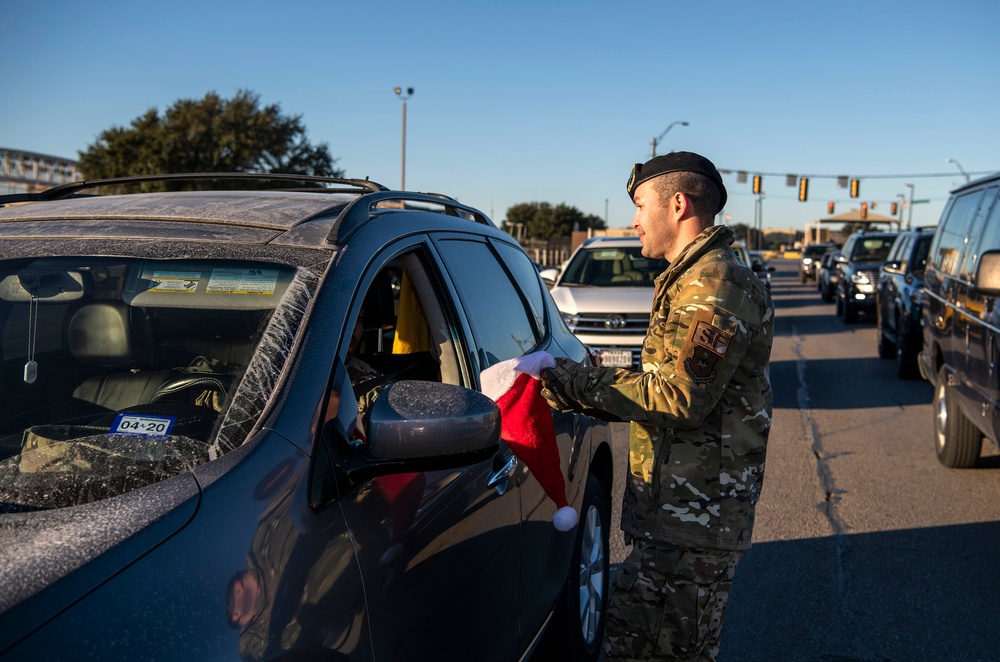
[555,384]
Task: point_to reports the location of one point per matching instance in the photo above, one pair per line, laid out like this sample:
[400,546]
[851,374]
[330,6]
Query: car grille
[612,324]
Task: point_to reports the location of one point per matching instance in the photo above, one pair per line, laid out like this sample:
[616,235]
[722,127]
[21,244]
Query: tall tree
[541,220]
[209,135]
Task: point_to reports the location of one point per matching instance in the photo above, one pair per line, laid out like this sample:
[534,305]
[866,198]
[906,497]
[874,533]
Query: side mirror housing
[988,274]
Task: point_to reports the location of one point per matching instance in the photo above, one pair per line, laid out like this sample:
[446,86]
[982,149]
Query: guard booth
[815,232]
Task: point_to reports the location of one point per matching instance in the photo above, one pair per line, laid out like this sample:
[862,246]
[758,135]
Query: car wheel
[577,629]
[802,276]
[886,348]
[850,313]
[956,440]
[839,309]
[906,358]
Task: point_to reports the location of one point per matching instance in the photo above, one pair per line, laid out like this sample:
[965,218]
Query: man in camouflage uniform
[699,414]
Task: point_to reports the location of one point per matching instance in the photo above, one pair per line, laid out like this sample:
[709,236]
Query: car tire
[906,358]
[577,628]
[802,276]
[839,306]
[956,440]
[886,348]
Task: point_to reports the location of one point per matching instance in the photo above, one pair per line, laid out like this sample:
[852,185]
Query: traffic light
[829,207]
[864,210]
[803,189]
[855,188]
[756,183]
[894,207]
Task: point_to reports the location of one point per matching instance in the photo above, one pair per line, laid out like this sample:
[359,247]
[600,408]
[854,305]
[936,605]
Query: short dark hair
[702,191]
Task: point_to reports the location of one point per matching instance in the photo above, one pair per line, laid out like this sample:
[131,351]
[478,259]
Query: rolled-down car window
[117,373]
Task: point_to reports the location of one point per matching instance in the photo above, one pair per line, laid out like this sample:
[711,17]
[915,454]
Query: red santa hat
[526,425]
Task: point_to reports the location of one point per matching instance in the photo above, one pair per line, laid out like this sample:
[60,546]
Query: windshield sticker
[142,425]
[174,281]
[242,281]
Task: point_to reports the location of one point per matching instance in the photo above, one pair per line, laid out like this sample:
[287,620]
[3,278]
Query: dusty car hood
[573,300]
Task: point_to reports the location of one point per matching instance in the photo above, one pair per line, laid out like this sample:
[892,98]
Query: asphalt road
[865,547]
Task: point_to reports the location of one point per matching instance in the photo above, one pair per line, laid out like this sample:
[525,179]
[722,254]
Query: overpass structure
[28,172]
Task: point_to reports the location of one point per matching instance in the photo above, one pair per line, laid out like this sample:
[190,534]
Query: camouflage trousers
[668,603]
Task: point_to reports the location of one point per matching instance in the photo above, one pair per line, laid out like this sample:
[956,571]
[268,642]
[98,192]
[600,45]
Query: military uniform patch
[706,346]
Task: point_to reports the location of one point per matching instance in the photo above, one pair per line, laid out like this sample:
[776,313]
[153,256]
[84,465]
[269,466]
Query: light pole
[404,97]
[909,214]
[902,199]
[660,137]
[960,168]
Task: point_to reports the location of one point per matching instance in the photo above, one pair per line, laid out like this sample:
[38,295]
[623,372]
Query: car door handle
[498,477]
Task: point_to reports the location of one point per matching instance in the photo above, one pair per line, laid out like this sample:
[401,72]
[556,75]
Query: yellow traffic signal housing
[756,183]
[864,210]
[803,189]
[855,188]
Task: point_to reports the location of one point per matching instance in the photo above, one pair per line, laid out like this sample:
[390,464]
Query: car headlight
[806,261]
[571,320]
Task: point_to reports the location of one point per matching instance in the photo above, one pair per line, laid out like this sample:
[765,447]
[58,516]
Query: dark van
[961,323]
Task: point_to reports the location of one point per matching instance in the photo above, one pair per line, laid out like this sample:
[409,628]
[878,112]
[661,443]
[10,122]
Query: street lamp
[658,139]
[960,168]
[404,97]
[909,214]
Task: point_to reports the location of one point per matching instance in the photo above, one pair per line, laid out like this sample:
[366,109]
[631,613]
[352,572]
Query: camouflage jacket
[700,410]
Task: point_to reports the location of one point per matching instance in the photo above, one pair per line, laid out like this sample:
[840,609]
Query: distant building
[28,172]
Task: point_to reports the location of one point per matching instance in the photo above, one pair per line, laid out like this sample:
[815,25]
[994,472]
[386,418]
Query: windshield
[814,250]
[619,266]
[872,249]
[118,373]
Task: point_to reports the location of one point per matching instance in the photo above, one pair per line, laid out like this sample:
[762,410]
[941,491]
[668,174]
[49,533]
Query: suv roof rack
[362,209]
[71,189]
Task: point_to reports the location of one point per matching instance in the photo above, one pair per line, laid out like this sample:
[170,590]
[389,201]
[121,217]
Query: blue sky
[546,101]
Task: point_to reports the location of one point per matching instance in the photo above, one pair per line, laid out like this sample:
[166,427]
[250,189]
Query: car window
[983,237]
[900,251]
[503,323]
[118,373]
[920,253]
[529,281]
[871,249]
[607,266]
[952,235]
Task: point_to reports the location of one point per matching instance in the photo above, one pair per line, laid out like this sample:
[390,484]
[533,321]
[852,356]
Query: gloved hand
[555,384]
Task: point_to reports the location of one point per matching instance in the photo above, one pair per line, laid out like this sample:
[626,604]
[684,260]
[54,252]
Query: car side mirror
[988,274]
[549,275]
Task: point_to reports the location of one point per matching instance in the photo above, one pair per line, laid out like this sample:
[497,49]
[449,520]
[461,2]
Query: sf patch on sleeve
[706,347]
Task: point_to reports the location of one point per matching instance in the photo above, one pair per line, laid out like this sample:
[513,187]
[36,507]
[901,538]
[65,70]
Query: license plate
[616,358]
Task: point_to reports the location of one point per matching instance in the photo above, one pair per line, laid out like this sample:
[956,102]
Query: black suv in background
[899,294]
[861,259]
[184,473]
[961,323]
[828,274]
[810,258]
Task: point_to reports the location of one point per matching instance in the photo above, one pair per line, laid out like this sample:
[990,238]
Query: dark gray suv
[961,323]
[247,424]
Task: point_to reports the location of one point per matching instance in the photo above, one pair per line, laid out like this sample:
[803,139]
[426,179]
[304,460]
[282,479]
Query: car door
[438,550]
[508,320]
[889,277]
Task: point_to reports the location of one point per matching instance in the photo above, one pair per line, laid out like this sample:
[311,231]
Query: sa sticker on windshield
[242,281]
[142,425]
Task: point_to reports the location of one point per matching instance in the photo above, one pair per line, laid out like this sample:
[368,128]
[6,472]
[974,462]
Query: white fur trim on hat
[565,518]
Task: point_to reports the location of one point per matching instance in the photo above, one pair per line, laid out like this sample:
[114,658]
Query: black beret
[676,162]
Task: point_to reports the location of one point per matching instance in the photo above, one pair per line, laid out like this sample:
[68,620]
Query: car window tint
[528,279]
[900,250]
[984,236]
[493,304]
[952,236]
[921,251]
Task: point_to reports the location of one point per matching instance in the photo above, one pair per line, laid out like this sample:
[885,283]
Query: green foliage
[541,220]
[208,135]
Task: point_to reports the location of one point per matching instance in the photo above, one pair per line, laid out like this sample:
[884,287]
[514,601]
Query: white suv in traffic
[605,292]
